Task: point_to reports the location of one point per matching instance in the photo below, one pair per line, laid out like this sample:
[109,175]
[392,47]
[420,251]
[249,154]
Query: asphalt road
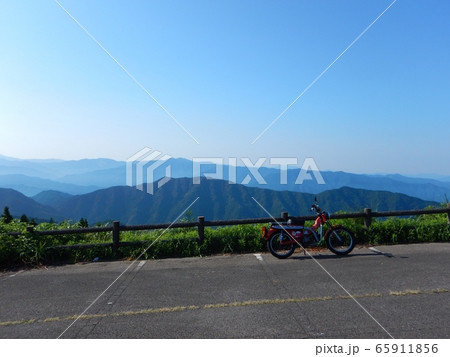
[398,291]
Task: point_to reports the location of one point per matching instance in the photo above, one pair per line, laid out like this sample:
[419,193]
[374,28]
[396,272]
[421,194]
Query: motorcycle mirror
[315,199]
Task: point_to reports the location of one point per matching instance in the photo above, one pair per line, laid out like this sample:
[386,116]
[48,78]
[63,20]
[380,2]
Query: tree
[24,218]
[84,223]
[6,216]
[188,217]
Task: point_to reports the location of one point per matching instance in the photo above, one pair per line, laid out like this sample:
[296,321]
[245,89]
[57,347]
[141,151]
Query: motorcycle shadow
[329,255]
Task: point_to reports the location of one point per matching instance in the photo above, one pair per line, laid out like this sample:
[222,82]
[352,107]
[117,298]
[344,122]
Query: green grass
[33,249]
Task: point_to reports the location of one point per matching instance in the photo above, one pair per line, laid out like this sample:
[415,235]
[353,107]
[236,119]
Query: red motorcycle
[282,239]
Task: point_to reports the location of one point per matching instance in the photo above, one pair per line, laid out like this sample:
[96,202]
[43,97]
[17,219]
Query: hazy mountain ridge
[31,186]
[20,204]
[217,199]
[83,176]
[53,168]
[51,198]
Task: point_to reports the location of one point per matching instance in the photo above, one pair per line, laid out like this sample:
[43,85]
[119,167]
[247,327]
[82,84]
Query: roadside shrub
[232,239]
[22,249]
[33,249]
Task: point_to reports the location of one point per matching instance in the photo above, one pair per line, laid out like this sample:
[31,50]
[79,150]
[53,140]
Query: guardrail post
[201,229]
[367,217]
[116,236]
[285,216]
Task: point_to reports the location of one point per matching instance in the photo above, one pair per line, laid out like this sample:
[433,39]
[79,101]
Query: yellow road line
[219,306]
[417,292]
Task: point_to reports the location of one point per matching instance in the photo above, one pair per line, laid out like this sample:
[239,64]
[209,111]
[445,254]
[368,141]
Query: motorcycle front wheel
[281,245]
[340,240]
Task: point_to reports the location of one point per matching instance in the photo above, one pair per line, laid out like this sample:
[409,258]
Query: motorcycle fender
[268,233]
[327,233]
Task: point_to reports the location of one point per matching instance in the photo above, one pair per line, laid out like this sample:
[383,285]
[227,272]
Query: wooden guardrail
[201,223]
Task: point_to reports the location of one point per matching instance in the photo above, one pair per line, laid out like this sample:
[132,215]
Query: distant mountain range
[96,189]
[20,204]
[75,177]
[217,200]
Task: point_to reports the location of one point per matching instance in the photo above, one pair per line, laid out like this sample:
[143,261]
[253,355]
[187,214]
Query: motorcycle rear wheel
[281,245]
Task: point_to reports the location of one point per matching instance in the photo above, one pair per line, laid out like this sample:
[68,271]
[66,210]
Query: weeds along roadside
[28,249]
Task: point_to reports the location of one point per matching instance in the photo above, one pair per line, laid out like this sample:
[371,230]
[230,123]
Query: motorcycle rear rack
[286,227]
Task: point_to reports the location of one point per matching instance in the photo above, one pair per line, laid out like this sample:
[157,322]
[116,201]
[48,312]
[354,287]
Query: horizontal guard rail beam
[116,228]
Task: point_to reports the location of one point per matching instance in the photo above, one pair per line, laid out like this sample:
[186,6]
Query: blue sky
[225,70]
